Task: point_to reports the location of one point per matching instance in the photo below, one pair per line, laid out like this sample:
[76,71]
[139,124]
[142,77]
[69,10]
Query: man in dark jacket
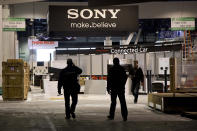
[116,80]
[68,79]
[137,76]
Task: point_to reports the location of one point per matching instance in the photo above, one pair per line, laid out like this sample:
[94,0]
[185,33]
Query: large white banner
[36,44]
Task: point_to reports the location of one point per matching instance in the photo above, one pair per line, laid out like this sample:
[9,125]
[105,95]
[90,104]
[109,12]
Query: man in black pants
[68,79]
[137,77]
[116,80]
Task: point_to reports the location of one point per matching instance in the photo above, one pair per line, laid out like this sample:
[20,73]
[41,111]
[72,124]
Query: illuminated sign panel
[98,21]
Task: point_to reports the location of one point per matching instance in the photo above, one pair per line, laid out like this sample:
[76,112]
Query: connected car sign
[85,21]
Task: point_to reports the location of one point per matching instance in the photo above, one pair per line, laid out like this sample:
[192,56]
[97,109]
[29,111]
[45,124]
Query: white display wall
[85,64]
[74,58]
[158,55]
[97,64]
[120,56]
[106,57]
[61,57]
[130,56]
[61,64]
[150,62]
[140,59]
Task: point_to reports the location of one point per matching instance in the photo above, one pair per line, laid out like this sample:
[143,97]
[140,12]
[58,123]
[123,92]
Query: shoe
[110,117]
[135,101]
[67,118]
[73,115]
[125,119]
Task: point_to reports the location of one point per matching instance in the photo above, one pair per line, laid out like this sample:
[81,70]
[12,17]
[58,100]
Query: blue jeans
[135,90]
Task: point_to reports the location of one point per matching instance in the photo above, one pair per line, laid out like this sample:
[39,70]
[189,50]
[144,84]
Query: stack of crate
[15,79]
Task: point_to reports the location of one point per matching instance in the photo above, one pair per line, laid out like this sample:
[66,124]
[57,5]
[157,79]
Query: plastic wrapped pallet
[15,79]
[0,90]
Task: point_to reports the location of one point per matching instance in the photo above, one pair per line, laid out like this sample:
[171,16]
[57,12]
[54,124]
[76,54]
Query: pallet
[192,115]
[14,99]
[173,102]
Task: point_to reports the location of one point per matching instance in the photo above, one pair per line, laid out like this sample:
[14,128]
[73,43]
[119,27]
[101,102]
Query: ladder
[187,47]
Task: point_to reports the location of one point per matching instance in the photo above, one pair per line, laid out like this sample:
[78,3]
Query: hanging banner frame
[96,21]
[182,23]
[14,24]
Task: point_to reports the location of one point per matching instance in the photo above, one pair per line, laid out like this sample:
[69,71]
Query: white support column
[16,46]
[9,38]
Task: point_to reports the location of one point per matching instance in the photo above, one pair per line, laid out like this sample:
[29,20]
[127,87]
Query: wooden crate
[173,74]
[15,79]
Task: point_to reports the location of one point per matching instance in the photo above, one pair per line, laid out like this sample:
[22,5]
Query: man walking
[68,79]
[137,76]
[116,80]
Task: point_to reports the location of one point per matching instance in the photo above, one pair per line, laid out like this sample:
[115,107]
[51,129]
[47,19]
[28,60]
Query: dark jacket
[137,76]
[116,78]
[68,79]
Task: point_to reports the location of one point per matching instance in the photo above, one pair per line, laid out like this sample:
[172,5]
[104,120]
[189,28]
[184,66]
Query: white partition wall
[158,55]
[59,64]
[120,56]
[150,62]
[74,58]
[96,64]
[168,54]
[140,59]
[61,57]
[85,64]
[106,57]
[95,87]
[130,56]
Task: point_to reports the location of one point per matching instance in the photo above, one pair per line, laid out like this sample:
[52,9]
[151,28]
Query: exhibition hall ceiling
[17,1]
[26,1]
[117,2]
[90,2]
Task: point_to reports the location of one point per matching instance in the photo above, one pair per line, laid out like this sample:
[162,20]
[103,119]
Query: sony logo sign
[94,13]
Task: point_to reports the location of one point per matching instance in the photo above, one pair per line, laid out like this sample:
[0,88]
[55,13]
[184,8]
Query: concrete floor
[44,113]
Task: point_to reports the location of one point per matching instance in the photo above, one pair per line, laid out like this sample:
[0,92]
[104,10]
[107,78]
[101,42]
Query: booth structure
[95,63]
[182,95]
[170,81]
